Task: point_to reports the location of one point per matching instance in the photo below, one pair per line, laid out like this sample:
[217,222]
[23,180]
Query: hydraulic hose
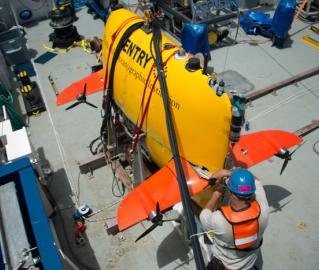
[120,45]
[190,220]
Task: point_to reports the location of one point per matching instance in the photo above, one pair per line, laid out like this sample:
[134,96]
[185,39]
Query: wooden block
[122,174]
[92,163]
[111,226]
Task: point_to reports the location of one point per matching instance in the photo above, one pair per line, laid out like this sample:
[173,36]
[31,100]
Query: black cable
[105,127]
[116,184]
[151,48]
[109,95]
[190,220]
[94,152]
[99,147]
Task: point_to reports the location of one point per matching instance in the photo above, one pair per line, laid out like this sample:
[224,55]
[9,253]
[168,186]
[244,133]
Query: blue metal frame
[21,171]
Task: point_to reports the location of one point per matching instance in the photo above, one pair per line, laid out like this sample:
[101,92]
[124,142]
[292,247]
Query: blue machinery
[26,238]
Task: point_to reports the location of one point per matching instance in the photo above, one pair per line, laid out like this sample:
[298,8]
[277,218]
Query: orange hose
[299,10]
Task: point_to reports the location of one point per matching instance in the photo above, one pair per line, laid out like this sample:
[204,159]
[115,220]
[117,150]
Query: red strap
[148,101]
[114,36]
[142,102]
[146,83]
[150,72]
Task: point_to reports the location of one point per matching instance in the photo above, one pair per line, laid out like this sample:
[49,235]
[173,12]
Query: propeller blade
[284,166]
[84,91]
[147,231]
[176,220]
[89,103]
[73,105]
[158,212]
[288,158]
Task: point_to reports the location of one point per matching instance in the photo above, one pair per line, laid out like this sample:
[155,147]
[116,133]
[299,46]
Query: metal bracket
[138,167]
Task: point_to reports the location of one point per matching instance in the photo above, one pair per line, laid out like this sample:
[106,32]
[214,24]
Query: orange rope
[300,9]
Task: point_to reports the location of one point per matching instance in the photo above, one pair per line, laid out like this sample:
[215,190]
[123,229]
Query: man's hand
[221,174]
[218,179]
[220,187]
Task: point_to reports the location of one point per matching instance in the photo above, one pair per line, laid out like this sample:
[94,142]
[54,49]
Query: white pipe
[68,260]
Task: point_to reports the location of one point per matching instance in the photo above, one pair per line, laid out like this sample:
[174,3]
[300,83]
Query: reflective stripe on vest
[244,224]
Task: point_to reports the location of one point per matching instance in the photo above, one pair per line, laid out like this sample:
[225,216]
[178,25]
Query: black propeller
[81,98]
[157,221]
[286,155]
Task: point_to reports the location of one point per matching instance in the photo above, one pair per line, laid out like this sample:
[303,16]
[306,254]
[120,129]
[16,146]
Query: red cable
[114,36]
[147,106]
[144,92]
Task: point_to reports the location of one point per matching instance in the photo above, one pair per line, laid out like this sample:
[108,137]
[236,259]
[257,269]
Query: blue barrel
[282,20]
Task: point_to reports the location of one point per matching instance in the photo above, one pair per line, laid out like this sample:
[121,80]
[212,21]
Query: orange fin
[94,82]
[256,147]
[161,187]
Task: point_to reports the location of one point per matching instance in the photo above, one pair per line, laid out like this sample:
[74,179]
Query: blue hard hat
[241,182]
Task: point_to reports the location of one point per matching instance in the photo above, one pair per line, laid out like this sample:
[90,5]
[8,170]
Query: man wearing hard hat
[239,226]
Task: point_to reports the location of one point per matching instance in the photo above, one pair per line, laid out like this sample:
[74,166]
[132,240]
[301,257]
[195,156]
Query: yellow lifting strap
[36,113]
[84,43]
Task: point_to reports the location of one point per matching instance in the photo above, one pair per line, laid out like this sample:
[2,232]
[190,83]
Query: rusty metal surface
[307,129]
[269,89]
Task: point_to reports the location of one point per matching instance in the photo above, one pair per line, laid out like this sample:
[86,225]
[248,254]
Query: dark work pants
[216,264]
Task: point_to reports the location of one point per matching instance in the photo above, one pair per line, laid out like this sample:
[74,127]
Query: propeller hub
[283,152]
[152,215]
[80,97]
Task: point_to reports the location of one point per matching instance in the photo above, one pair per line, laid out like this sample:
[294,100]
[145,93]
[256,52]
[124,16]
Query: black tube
[206,59]
[107,109]
[190,220]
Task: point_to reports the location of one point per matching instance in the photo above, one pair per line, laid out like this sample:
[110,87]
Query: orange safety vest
[244,223]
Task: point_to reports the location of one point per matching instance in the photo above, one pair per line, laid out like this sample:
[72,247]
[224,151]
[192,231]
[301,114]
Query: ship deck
[61,137]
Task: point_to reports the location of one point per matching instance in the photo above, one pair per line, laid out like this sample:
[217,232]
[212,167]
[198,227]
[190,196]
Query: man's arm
[221,174]
[219,188]
[213,200]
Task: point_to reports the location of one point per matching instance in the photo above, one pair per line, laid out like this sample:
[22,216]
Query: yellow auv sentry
[201,119]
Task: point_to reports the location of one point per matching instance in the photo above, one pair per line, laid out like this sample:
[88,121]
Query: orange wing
[256,147]
[161,187]
[94,83]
